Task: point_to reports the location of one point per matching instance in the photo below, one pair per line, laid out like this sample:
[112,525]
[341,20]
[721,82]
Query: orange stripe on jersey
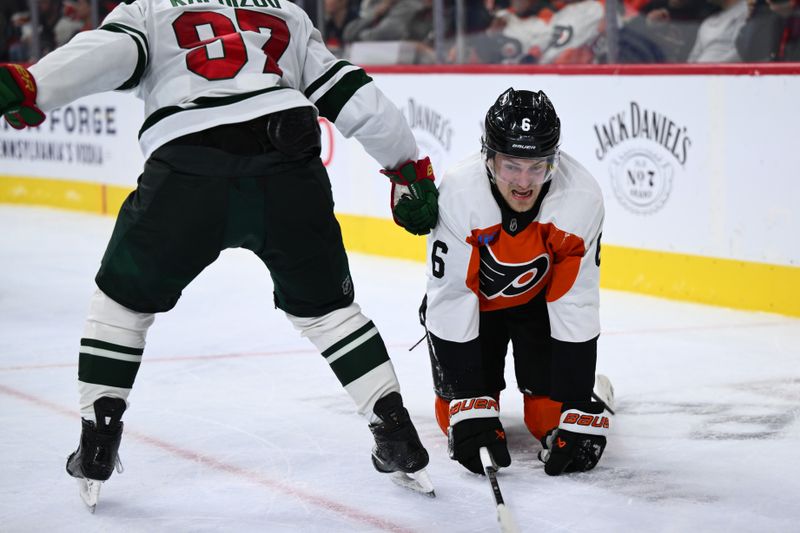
[571,250]
[508,271]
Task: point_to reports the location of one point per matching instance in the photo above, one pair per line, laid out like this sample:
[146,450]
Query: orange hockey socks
[541,414]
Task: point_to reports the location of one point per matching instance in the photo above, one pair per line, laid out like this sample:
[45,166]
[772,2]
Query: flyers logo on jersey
[500,279]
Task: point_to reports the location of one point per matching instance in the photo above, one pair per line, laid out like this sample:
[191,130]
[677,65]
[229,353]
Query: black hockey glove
[475,423]
[414,197]
[18,97]
[577,444]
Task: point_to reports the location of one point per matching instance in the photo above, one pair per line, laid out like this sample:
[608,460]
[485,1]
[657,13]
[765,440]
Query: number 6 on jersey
[437,262]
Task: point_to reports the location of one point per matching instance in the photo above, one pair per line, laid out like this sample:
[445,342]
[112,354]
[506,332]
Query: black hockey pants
[224,188]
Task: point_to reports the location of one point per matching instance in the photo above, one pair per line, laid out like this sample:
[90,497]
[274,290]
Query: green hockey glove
[18,97]
[414,197]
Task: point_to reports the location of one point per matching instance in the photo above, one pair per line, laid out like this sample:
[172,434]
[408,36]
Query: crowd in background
[489,31]
[58,21]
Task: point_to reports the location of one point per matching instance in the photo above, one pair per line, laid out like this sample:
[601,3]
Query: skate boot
[96,457]
[398,449]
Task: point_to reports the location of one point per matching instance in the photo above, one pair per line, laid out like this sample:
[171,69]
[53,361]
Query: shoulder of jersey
[464,193]
[573,198]
[572,178]
[463,181]
[462,177]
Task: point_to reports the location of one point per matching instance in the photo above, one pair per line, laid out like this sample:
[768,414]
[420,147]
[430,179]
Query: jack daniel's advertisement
[644,149]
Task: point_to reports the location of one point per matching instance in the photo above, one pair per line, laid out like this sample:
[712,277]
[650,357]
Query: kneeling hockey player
[515,259]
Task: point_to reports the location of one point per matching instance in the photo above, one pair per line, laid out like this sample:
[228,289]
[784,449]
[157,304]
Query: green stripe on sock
[111,347]
[347,340]
[360,360]
[104,371]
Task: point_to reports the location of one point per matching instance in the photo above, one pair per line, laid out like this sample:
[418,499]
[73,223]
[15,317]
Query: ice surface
[237,424]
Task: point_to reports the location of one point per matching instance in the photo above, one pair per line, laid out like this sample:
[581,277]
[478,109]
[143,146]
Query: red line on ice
[208,461]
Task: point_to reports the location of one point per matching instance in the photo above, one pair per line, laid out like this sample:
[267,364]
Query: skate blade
[418,481]
[90,492]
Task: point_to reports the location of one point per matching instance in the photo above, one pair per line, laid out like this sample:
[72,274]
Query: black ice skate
[96,457]
[398,449]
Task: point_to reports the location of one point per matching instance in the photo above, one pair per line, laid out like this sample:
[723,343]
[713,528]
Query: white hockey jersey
[481,260]
[575,25]
[202,63]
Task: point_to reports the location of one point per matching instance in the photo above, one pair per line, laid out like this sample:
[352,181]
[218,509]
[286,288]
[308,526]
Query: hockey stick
[604,392]
[418,342]
[504,517]
[605,405]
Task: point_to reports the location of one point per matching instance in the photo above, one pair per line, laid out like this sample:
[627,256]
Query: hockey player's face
[520,180]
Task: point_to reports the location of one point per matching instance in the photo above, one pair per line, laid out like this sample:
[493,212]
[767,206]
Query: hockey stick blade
[604,392]
[504,517]
[418,481]
[90,492]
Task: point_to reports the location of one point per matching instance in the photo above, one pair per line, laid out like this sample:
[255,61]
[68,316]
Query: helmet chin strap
[488,156]
[490,173]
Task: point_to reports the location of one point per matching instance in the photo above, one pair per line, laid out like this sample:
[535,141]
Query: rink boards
[698,169]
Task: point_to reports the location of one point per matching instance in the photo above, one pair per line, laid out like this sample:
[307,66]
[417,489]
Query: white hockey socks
[111,351]
[354,349]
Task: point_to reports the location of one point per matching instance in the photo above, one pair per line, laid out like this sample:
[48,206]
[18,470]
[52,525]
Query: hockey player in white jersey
[232,92]
[515,258]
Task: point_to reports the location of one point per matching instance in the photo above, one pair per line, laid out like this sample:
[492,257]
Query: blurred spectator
[716,36]
[310,7]
[49,13]
[522,30]
[19,41]
[476,19]
[536,31]
[772,31]
[478,16]
[577,29]
[20,49]
[338,13]
[77,17]
[386,20]
[5,30]
[664,31]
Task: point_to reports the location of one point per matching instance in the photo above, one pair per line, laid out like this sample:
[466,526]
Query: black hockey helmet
[522,124]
